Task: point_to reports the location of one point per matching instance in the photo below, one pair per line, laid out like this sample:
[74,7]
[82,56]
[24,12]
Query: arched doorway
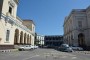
[25,38]
[21,37]
[28,39]
[81,40]
[16,36]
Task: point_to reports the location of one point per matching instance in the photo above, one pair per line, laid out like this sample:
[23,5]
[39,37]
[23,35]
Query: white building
[12,28]
[77,28]
[40,39]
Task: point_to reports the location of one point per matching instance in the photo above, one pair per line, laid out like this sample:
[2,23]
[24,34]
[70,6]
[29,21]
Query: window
[10,10]
[80,24]
[7,35]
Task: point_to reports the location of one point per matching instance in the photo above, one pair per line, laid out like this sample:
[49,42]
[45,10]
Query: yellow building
[13,31]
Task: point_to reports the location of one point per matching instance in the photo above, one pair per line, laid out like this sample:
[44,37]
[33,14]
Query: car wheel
[22,49]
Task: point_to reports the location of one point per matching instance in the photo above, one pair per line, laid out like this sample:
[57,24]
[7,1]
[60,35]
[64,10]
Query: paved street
[43,54]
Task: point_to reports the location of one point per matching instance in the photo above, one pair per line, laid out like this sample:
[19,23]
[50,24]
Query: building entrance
[81,40]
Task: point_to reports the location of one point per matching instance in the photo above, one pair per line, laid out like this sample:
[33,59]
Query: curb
[10,50]
[85,52]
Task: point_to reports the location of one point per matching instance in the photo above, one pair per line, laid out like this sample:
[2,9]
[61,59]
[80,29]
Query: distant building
[13,30]
[77,28]
[53,40]
[40,40]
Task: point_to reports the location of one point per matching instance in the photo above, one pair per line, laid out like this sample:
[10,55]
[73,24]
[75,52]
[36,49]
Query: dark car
[65,48]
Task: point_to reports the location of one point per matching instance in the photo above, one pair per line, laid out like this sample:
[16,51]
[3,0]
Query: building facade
[53,40]
[13,31]
[40,40]
[77,28]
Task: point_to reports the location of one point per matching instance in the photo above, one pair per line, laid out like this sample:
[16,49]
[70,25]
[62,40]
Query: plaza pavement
[42,54]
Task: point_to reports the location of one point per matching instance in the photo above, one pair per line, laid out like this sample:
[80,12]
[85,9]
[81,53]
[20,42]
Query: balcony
[17,22]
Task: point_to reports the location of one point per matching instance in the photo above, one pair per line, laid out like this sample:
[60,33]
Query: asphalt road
[43,54]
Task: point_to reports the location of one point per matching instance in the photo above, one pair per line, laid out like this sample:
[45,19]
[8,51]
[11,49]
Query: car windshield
[65,45]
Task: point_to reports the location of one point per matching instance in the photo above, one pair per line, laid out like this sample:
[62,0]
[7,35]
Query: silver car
[24,47]
[65,48]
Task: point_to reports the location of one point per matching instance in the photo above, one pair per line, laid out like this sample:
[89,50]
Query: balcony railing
[15,22]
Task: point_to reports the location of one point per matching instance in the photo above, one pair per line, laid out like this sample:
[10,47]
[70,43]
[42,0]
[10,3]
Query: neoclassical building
[77,27]
[13,30]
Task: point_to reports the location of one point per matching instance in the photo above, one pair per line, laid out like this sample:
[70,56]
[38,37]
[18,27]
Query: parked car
[35,46]
[32,46]
[25,47]
[65,48]
[77,48]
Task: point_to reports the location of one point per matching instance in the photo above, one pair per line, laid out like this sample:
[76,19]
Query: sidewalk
[9,50]
[84,52]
